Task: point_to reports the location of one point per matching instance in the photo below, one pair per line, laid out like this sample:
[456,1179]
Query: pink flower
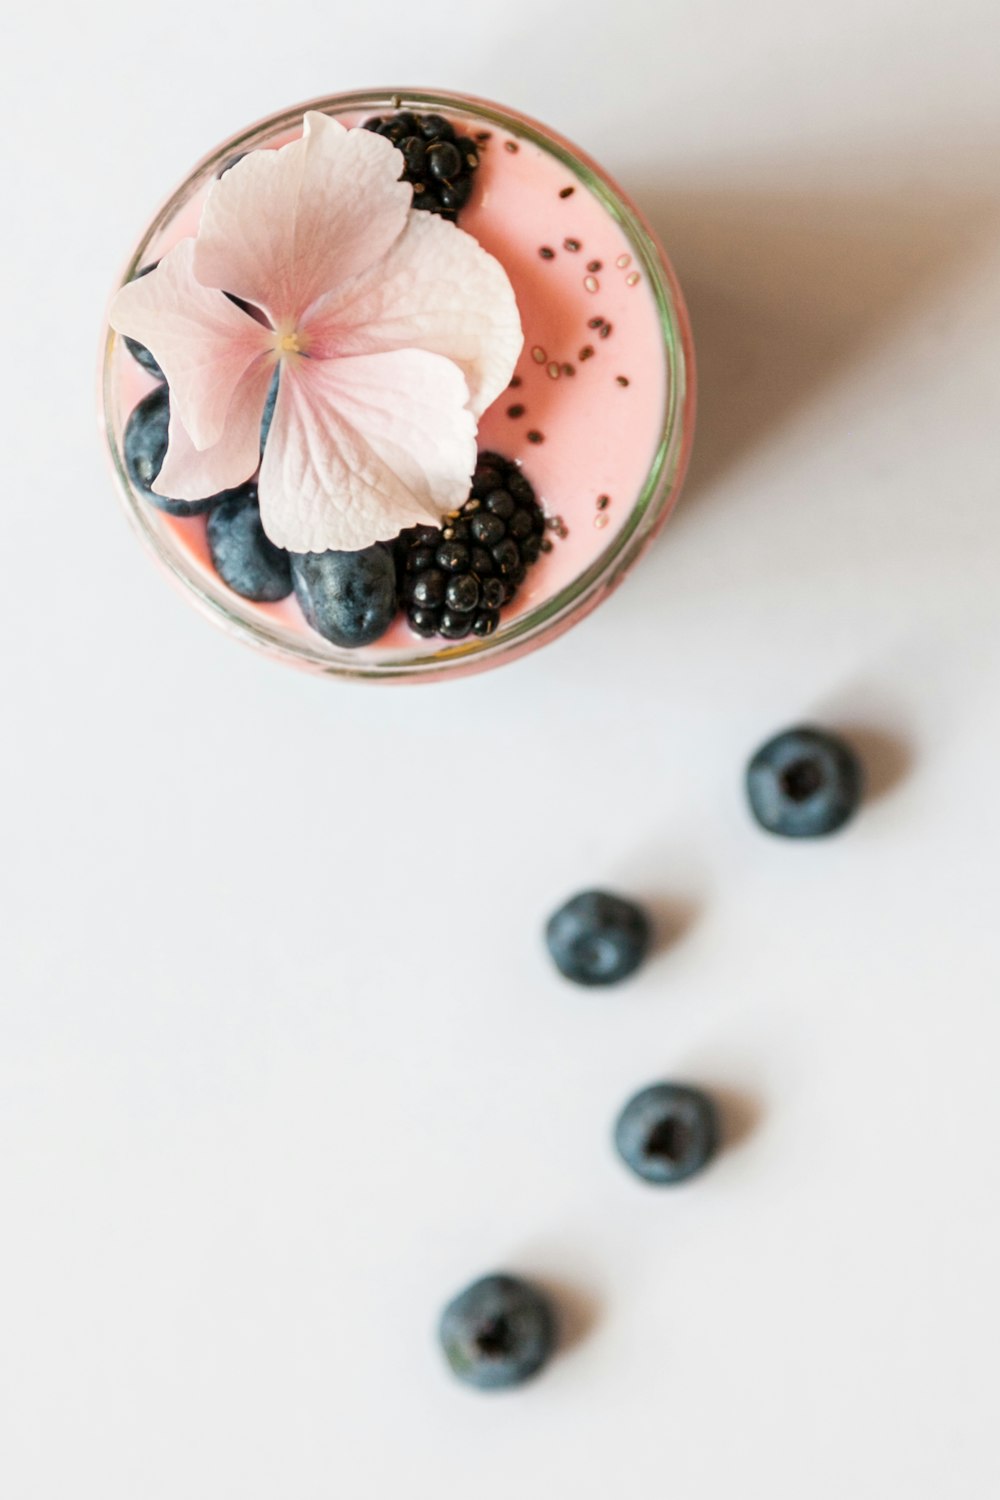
[393,331]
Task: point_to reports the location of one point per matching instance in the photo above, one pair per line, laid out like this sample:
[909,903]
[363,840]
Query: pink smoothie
[584,416]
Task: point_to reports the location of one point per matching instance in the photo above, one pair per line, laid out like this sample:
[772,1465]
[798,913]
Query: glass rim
[569,604]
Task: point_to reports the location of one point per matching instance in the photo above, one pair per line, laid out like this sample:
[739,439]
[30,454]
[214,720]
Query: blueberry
[139,351]
[667,1132]
[243,555]
[497,1333]
[349,597]
[145,446]
[597,938]
[804,783]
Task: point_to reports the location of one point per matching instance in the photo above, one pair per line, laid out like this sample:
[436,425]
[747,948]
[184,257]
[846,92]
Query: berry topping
[597,938]
[145,446]
[497,1333]
[804,783]
[666,1133]
[439,163]
[454,580]
[243,556]
[349,597]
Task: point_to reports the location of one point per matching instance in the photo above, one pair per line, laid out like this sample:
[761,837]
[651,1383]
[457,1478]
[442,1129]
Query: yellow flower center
[288,343]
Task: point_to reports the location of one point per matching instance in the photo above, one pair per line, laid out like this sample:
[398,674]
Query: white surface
[281,1063]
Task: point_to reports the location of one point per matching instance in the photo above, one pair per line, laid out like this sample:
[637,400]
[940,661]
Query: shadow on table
[788,287]
[740,1114]
[671,918]
[577,1310]
[887,757]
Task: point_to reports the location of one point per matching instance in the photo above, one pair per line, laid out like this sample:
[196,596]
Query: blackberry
[453,580]
[440,163]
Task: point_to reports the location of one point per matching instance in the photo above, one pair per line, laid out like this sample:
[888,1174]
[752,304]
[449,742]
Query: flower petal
[437,289]
[203,343]
[189,473]
[361,448]
[281,228]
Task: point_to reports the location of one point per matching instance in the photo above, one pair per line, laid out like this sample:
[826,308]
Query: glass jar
[602,554]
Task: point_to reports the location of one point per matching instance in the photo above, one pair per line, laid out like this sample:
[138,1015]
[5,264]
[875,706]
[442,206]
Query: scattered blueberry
[667,1133]
[145,446]
[497,1333]
[597,938]
[349,597]
[804,783]
[243,555]
[454,579]
[139,351]
[440,164]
